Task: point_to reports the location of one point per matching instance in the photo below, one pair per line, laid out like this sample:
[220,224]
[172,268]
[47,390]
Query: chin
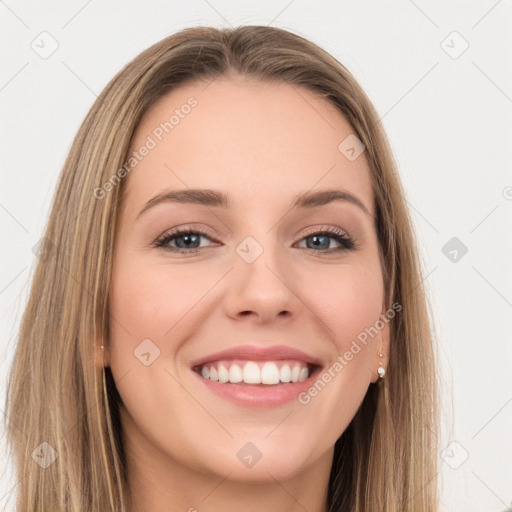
[262,460]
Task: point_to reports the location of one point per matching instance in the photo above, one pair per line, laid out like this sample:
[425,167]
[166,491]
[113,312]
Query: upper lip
[259,353]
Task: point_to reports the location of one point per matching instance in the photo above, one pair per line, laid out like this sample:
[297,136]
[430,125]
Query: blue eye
[186,241]
[322,240]
[189,241]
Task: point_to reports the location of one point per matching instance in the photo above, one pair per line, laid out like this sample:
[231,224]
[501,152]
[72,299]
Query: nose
[262,291]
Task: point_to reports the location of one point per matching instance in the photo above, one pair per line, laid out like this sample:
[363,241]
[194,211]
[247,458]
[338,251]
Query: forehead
[255,140]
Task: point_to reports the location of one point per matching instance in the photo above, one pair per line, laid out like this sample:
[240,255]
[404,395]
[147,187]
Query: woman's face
[255,276]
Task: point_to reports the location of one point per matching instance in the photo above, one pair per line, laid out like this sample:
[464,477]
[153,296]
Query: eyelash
[346,242]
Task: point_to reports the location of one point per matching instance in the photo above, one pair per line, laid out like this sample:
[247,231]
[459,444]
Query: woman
[229,309]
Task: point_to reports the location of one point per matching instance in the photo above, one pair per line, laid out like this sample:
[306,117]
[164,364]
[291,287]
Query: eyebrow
[215,198]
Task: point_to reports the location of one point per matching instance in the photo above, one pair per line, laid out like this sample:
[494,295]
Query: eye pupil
[188,238]
[317,243]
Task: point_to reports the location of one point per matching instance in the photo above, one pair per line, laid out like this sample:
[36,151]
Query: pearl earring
[381,371]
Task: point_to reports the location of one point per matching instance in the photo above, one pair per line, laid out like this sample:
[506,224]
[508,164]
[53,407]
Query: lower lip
[259,395]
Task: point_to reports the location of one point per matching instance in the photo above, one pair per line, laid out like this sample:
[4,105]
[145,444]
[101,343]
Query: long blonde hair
[385,460]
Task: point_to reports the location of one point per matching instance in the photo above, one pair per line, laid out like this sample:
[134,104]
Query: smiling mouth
[262,373]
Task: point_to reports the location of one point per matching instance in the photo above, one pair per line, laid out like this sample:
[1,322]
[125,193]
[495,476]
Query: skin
[261,144]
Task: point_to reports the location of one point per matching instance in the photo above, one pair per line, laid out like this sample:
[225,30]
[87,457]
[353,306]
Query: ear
[381,343]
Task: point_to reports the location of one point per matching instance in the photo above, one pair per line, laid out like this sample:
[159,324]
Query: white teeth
[235,374]
[252,374]
[285,373]
[270,374]
[223,373]
[303,375]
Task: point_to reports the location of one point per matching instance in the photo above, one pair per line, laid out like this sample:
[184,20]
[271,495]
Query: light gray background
[449,123]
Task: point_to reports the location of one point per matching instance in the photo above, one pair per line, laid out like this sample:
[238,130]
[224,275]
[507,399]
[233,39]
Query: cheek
[152,302]
[347,301]
[148,302]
